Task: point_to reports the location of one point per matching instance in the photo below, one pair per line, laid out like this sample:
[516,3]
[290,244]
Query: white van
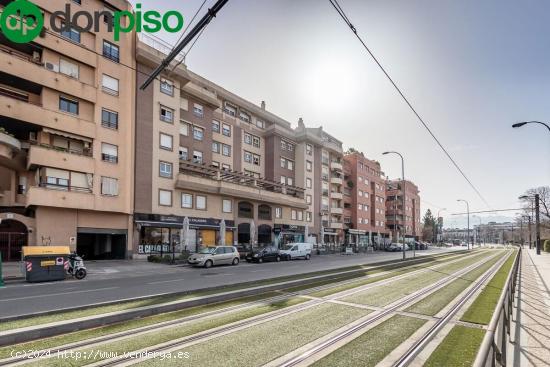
[296,250]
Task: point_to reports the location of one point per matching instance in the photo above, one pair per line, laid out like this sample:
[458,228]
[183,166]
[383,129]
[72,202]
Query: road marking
[166,281]
[56,294]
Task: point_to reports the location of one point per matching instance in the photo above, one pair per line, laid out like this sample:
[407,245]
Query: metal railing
[493,348]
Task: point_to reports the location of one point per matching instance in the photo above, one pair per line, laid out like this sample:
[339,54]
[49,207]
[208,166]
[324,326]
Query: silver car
[218,255]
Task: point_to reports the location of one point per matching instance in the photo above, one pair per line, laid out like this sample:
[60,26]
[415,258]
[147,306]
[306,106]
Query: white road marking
[166,281]
[57,294]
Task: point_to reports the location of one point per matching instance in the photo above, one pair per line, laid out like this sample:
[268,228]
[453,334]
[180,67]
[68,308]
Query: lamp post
[468,210]
[537,218]
[477,232]
[437,226]
[520,124]
[404,193]
[529,229]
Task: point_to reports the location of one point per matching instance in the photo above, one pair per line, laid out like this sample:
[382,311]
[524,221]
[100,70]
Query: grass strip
[374,345]
[459,348]
[481,310]
[441,298]
[263,343]
[382,296]
[99,352]
[56,341]
[127,305]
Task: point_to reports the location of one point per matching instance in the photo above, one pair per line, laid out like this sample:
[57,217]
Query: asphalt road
[113,281]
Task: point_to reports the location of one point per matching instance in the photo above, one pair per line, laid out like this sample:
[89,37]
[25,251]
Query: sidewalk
[531,318]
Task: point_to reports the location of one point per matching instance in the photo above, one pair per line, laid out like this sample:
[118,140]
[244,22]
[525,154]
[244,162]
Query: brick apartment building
[67,138]
[399,219]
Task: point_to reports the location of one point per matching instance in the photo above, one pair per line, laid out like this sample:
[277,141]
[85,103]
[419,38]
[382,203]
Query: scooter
[76,266]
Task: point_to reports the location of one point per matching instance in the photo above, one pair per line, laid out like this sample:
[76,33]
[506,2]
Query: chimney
[263,105]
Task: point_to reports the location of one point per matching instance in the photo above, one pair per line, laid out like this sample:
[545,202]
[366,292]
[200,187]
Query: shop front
[161,233]
[357,239]
[288,233]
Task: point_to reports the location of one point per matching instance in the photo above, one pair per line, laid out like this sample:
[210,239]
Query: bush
[184,255]
[546,246]
[154,258]
[167,259]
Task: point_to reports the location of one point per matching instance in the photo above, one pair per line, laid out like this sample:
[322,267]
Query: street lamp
[520,124]
[537,217]
[404,193]
[468,210]
[478,232]
[529,229]
[437,226]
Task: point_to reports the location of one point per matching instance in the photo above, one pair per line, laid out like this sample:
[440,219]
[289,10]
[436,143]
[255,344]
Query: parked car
[243,251]
[296,250]
[219,255]
[395,247]
[268,253]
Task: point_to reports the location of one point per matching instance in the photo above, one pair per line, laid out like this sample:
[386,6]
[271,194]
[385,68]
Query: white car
[218,255]
[296,250]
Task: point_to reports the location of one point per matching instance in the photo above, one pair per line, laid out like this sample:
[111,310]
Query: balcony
[198,177]
[337,180]
[43,155]
[203,94]
[336,225]
[60,196]
[9,145]
[337,195]
[338,211]
[336,166]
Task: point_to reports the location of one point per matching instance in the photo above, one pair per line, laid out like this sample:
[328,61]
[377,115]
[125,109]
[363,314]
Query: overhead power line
[342,14]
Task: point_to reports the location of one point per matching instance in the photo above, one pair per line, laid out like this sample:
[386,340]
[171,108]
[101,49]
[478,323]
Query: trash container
[44,263]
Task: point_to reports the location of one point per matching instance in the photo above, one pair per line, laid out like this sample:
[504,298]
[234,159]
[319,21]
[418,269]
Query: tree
[429,226]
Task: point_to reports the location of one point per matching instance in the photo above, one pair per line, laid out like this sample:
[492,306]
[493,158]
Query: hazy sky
[470,67]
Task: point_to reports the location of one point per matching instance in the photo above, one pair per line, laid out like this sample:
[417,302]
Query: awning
[356,231]
[66,134]
[147,223]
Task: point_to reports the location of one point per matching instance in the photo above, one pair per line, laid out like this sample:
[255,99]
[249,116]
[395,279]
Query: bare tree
[544,195]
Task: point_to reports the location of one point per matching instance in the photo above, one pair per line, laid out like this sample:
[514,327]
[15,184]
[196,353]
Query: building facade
[66,138]
[364,201]
[403,220]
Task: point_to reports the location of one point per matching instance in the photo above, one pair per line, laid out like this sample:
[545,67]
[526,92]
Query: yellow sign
[45,263]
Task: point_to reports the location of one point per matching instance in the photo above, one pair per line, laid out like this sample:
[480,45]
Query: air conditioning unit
[52,67]
[36,56]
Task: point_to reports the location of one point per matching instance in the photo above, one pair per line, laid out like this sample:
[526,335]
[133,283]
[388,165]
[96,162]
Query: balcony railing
[238,178]
[64,187]
[109,158]
[87,152]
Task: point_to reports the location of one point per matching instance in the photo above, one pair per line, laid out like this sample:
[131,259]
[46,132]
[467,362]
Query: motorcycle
[76,266]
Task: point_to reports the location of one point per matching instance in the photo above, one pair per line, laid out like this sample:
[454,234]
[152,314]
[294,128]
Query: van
[296,250]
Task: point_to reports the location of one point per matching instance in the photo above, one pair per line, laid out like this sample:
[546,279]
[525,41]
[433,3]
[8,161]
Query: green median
[458,349]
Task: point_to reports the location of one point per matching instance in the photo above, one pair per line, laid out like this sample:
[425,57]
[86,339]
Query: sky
[471,69]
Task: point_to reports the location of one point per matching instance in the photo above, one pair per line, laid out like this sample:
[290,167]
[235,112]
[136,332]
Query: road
[136,279]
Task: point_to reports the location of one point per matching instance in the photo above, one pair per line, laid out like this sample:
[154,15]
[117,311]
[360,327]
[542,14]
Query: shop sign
[288,228]
[155,249]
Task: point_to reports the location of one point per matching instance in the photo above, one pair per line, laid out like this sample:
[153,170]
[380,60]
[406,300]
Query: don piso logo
[22,21]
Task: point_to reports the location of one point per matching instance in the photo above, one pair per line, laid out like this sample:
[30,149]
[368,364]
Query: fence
[493,348]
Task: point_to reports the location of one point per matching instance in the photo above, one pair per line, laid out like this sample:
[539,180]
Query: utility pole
[537,220]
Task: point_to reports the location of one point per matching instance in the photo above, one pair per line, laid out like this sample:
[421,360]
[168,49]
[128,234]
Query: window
[198,110]
[71,33]
[244,116]
[309,166]
[289,181]
[109,186]
[215,164]
[308,216]
[308,199]
[290,165]
[256,141]
[183,153]
[290,147]
[226,167]
[165,197]
[69,68]
[248,139]
[283,145]
[166,114]
[309,149]
[109,119]
[165,169]
[227,206]
[167,87]
[283,180]
[109,153]
[360,193]
[230,109]
[260,124]
[226,150]
[248,157]
[293,214]
[278,212]
[68,105]
[198,133]
[256,159]
[200,202]
[184,128]
[360,206]
[215,147]
[197,157]
[215,126]
[186,201]
[111,52]
[283,162]
[109,85]
[360,220]
[166,141]
[246,210]
[300,215]
[264,212]
[308,183]
[226,130]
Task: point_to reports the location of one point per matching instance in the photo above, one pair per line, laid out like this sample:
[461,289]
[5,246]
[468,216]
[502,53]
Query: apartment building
[206,154]
[66,137]
[320,162]
[401,219]
[364,201]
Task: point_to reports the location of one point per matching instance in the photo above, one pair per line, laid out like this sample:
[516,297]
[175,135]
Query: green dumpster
[44,263]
